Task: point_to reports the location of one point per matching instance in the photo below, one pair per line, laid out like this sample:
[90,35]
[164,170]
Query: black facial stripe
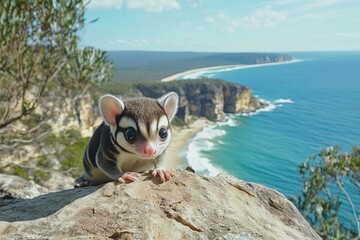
[123,131]
[117,144]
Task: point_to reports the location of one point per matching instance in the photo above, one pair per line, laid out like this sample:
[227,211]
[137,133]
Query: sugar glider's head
[140,126]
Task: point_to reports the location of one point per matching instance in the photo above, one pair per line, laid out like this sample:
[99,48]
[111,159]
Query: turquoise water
[314,103]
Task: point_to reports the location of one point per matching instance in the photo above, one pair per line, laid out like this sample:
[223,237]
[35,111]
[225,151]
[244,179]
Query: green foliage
[37,175]
[327,179]
[72,156]
[177,122]
[40,54]
[43,162]
[21,172]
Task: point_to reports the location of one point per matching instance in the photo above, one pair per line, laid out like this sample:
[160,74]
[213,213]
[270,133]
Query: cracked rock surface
[186,207]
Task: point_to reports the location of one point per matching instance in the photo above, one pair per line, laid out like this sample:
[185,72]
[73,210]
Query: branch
[351,204]
[12,119]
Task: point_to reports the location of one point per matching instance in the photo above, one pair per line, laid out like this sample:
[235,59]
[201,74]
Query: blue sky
[223,25]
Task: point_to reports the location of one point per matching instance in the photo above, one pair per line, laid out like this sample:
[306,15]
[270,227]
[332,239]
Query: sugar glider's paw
[164,174]
[82,182]
[129,176]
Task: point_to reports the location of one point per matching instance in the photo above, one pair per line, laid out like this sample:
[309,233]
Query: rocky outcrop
[206,97]
[186,207]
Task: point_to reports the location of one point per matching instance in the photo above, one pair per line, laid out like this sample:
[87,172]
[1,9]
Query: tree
[330,180]
[41,61]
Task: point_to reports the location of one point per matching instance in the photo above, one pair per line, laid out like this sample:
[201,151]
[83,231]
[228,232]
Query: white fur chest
[131,163]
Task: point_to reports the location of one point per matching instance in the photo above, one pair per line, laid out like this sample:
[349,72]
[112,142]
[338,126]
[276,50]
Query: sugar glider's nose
[148,149]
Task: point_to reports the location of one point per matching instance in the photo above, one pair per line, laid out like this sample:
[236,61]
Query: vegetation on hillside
[331,180]
[42,68]
[138,66]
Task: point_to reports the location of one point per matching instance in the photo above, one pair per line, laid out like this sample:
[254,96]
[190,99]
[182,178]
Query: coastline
[180,139]
[195,73]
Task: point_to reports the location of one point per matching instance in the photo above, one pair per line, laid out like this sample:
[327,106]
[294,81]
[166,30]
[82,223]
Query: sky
[223,25]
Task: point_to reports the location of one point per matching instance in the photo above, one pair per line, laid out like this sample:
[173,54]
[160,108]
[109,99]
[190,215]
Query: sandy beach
[180,139]
[197,70]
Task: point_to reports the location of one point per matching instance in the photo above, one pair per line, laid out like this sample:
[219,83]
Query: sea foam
[208,138]
[204,140]
[196,152]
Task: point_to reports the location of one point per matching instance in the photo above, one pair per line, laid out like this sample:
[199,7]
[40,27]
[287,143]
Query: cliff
[208,98]
[186,207]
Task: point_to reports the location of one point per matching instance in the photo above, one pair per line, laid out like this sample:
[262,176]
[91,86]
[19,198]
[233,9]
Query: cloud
[153,5]
[133,43]
[105,4]
[210,19]
[184,24]
[148,5]
[262,18]
[319,16]
[320,4]
[343,35]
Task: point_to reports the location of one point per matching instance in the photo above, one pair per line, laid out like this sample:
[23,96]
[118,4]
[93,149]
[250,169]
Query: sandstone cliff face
[186,207]
[206,98]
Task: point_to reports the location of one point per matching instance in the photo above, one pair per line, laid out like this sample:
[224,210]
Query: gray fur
[105,158]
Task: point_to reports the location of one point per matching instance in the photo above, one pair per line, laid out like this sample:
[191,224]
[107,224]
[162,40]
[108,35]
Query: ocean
[314,103]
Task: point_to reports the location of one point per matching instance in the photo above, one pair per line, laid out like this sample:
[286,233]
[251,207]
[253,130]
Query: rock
[186,207]
[17,187]
[210,98]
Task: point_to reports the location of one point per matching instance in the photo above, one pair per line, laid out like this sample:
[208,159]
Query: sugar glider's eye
[130,134]
[163,133]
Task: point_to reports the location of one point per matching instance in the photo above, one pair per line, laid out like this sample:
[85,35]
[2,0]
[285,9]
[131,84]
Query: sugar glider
[132,139]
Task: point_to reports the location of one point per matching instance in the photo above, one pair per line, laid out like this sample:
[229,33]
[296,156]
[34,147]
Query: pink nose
[149,150]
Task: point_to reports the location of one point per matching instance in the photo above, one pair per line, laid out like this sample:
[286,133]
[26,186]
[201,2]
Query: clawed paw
[129,176]
[82,182]
[164,174]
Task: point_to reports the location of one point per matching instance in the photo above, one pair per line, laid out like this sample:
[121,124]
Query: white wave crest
[202,142]
[284,100]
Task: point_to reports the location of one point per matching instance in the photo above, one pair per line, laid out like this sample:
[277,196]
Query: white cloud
[344,35]
[153,5]
[105,4]
[184,24]
[145,5]
[210,19]
[160,41]
[262,18]
[348,34]
[222,15]
[319,16]
[133,42]
[320,4]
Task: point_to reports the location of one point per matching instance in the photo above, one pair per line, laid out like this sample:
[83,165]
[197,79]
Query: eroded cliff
[208,98]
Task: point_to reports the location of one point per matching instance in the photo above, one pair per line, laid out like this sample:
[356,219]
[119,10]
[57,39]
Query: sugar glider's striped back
[133,138]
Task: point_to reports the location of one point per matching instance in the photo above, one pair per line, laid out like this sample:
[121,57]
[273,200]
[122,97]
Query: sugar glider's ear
[110,107]
[170,104]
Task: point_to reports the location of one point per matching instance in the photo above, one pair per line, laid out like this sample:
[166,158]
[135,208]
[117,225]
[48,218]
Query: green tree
[42,69]
[41,61]
[328,179]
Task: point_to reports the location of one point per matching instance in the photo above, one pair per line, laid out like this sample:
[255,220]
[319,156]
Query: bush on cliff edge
[331,179]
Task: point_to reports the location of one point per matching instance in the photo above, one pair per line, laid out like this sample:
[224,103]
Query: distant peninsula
[139,66]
